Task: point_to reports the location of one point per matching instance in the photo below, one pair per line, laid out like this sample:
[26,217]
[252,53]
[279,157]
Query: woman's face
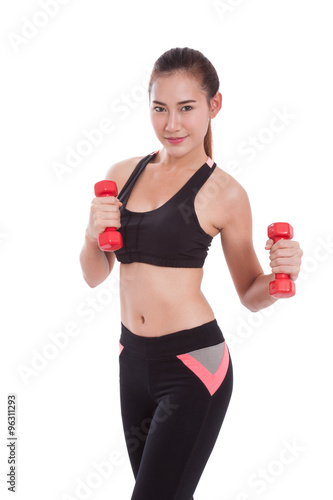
[180,111]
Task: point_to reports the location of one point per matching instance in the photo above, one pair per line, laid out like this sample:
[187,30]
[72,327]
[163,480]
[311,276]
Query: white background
[87,60]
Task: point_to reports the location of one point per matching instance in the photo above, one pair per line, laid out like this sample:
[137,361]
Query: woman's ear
[215,104]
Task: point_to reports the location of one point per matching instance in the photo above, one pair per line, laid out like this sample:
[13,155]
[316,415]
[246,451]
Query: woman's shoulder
[227,184]
[120,171]
[227,197]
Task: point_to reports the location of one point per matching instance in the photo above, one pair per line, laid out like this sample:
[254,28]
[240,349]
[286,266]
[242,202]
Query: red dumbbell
[110,240]
[282,287]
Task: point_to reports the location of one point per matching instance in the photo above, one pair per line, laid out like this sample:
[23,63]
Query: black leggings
[174,393]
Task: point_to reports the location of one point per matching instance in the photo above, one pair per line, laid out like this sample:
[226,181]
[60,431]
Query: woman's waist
[178,342]
[156,301]
[158,315]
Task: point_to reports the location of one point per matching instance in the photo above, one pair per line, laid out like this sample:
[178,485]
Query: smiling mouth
[175,139]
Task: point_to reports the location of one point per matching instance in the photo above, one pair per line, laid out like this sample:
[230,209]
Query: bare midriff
[157,300]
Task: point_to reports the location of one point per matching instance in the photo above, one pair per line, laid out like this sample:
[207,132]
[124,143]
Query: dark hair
[193,61]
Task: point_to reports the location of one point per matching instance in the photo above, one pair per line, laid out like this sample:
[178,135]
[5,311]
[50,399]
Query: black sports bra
[170,235]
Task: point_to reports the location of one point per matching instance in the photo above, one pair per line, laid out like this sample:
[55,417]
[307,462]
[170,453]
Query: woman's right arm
[104,212]
[96,265]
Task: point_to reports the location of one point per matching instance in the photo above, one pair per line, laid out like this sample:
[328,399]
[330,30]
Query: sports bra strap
[126,190]
[188,190]
[192,186]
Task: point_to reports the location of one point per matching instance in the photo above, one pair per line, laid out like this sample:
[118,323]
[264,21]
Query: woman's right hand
[104,212]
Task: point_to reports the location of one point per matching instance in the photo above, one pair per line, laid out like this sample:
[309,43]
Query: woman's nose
[173,122]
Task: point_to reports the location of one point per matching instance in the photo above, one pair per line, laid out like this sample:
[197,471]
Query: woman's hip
[188,361]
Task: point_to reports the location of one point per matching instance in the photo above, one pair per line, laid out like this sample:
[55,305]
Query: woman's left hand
[285,256]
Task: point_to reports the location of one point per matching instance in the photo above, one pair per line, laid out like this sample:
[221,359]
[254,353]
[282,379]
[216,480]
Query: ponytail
[208,142]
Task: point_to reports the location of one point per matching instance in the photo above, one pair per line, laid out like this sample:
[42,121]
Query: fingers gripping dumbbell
[282,286]
[110,240]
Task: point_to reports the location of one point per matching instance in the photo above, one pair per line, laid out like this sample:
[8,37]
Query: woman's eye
[158,109]
[187,108]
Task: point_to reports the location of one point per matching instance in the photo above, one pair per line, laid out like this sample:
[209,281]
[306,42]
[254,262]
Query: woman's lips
[175,140]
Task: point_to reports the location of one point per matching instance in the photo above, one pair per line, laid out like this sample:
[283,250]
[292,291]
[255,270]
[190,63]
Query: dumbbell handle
[110,239]
[282,286]
[280,275]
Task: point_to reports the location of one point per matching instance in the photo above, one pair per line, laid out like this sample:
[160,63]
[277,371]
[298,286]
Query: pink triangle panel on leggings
[121,347]
[211,381]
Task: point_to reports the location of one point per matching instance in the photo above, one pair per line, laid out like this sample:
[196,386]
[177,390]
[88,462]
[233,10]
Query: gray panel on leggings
[209,357]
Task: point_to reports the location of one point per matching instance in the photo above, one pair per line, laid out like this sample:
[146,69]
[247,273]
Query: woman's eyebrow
[182,102]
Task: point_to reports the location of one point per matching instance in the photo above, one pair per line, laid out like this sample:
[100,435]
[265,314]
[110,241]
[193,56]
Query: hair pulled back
[194,62]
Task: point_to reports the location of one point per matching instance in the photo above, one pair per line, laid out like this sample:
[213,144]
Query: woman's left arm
[236,237]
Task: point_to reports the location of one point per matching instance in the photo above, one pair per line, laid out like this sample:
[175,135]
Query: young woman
[176,375]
